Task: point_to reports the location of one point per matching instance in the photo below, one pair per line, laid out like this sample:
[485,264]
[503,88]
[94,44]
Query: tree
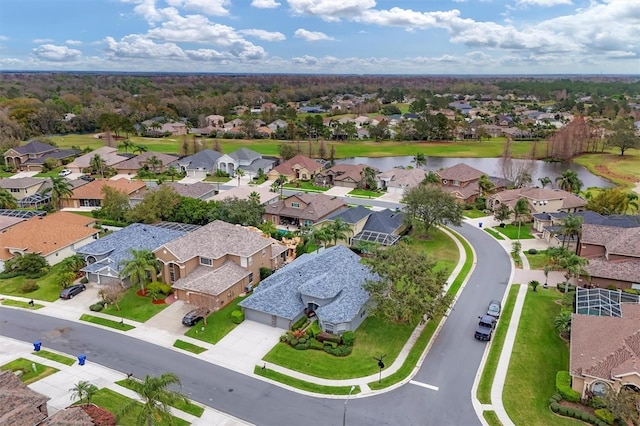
[320,236]
[544,181]
[562,322]
[573,266]
[420,160]
[429,206]
[625,404]
[141,267]
[154,163]
[239,211]
[569,181]
[126,145]
[239,174]
[623,136]
[485,185]
[115,204]
[60,188]
[156,206]
[571,227]
[254,197]
[410,286]
[140,149]
[172,172]
[286,151]
[83,391]
[156,399]
[502,213]
[193,211]
[32,265]
[521,208]
[73,263]
[338,231]
[613,201]
[97,164]
[112,294]
[6,200]
[369,177]
[431,178]
[65,279]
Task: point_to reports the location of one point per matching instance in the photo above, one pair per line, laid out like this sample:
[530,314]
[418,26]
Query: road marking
[424,385]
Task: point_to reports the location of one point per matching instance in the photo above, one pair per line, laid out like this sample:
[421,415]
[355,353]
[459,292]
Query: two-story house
[31,156]
[540,200]
[249,161]
[212,265]
[344,175]
[92,195]
[461,181]
[302,209]
[21,188]
[296,168]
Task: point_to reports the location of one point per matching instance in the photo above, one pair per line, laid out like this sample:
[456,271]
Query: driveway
[23,175]
[170,319]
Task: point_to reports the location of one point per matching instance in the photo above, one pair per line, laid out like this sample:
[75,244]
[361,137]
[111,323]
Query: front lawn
[365,193]
[494,234]
[190,347]
[50,173]
[374,337]
[219,324]
[306,186]
[473,213]
[538,260]
[538,354]
[29,373]
[511,231]
[48,289]
[134,307]
[440,247]
[106,322]
[188,407]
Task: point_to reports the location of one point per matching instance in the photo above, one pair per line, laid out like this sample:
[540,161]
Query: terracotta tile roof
[19,405]
[319,206]
[93,190]
[46,234]
[620,270]
[460,172]
[286,168]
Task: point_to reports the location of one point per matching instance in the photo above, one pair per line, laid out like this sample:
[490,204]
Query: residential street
[450,366]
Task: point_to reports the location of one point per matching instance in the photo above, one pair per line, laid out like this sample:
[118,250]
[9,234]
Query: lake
[491,166]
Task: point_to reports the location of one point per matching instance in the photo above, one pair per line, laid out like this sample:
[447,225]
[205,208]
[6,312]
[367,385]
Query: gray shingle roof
[385,221]
[205,159]
[244,154]
[20,183]
[336,271]
[34,147]
[351,215]
[199,190]
[260,163]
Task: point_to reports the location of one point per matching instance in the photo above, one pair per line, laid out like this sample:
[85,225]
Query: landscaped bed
[537,260]
[29,373]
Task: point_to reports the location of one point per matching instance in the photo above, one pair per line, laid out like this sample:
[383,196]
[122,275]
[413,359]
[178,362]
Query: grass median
[106,322]
[21,304]
[62,359]
[303,385]
[186,346]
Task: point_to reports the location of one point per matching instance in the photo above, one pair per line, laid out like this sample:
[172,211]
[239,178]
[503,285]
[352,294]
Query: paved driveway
[170,318]
[23,175]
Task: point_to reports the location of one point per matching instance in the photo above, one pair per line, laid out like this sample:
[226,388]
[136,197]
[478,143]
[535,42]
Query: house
[277,124]
[91,194]
[105,257]
[70,416]
[155,127]
[199,190]
[382,227]
[250,162]
[302,209]
[397,180]
[132,165]
[327,283]
[605,351]
[355,217]
[540,200]
[22,187]
[55,237]
[243,193]
[214,264]
[343,175]
[7,222]
[461,181]
[108,154]
[215,120]
[296,168]
[19,405]
[31,157]
[201,164]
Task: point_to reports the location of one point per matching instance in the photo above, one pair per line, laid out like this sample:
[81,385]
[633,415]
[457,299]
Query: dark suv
[69,292]
[192,317]
[485,327]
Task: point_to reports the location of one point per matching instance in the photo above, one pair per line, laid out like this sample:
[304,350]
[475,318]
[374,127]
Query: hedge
[237,316]
[563,385]
[298,324]
[604,415]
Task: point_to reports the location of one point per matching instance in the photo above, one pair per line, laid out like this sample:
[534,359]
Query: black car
[485,327]
[69,292]
[494,308]
[87,178]
[192,317]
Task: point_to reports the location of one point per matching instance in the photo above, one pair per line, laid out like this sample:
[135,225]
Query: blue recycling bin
[36,346]
[480,224]
[81,359]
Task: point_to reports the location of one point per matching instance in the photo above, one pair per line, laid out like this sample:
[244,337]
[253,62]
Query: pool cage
[602,302]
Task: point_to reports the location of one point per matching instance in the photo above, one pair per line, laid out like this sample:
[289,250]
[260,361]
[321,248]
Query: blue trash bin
[81,359]
[36,346]
[480,224]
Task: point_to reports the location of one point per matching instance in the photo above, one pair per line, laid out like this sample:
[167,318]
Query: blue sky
[323,36]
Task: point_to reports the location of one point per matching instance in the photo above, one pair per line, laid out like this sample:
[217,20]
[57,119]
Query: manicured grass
[21,304]
[538,260]
[622,170]
[114,402]
[221,179]
[48,289]
[497,343]
[219,324]
[492,418]
[5,174]
[538,354]
[440,247]
[306,186]
[62,359]
[511,231]
[189,407]
[181,344]
[473,213]
[29,374]
[301,384]
[106,322]
[494,234]
[134,307]
[364,193]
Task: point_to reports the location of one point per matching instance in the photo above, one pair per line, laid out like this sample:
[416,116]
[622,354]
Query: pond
[491,166]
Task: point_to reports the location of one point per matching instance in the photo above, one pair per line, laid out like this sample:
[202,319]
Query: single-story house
[344,175]
[540,200]
[55,237]
[108,154]
[250,162]
[105,257]
[33,154]
[243,193]
[198,190]
[91,195]
[355,217]
[382,227]
[397,180]
[19,405]
[327,283]
[22,187]
[132,165]
[303,209]
[201,164]
[296,168]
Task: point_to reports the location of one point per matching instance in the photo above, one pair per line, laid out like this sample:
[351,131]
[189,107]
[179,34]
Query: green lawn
[134,307]
[538,354]
[538,260]
[473,213]
[48,289]
[21,304]
[30,374]
[511,231]
[306,186]
[106,322]
[219,324]
[306,386]
[220,179]
[189,407]
[181,344]
[494,234]
[622,170]
[62,359]
[364,193]
[440,247]
[489,371]
[374,337]
[114,402]
[492,418]
[50,173]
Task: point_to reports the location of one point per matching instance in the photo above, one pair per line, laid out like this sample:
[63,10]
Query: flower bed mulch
[142,292]
[100,416]
[159,302]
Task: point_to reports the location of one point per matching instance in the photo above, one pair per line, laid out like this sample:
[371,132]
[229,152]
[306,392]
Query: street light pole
[344,414]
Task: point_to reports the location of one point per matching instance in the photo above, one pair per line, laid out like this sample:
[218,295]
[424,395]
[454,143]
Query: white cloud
[209,7]
[264,35]
[543,3]
[73,42]
[3,38]
[146,8]
[42,40]
[208,55]
[136,46]
[265,4]
[305,60]
[53,53]
[311,35]
[331,10]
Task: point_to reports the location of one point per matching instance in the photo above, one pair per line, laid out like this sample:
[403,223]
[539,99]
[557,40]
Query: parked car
[87,178]
[69,292]
[494,309]
[64,172]
[193,317]
[485,327]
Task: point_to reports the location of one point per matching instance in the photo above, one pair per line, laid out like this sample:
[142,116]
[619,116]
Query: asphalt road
[451,364]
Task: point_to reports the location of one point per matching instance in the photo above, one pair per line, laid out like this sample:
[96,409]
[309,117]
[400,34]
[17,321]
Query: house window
[15,190]
[250,277]
[328,327]
[635,286]
[243,262]
[295,205]
[206,261]
[304,176]
[250,260]
[456,183]
[172,272]
[599,388]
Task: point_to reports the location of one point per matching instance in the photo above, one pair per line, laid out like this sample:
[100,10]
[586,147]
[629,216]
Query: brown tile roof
[625,244]
[403,178]
[604,347]
[345,171]
[21,183]
[108,154]
[462,192]
[243,192]
[140,160]
[212,281]
[620,270]
[193,190]
[286,168]
[72,416]
[93,190]
[319,206]
[460,172]
[569,200]
[46,234]
[19,404]
[599,234]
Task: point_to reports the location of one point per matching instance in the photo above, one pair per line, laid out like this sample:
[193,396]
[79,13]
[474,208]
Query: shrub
[314,344]
[630,291]
[314,330]
[302,340]
[298,324]
[563,385]
[597,402]
[560,287]
[293,342]
[562,410]
[604,415]
[265,272]
[554,406]
[96,307]
[348,338]
[84,280]
[237,316]
[612,287]
[481,203]
[532,251]
[571,412]
[302,346]
[557,397]
[29,286]
[159,287]
[283,338]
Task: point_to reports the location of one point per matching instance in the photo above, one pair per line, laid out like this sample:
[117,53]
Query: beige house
[108,154]
[91,195]
[396,181]
[355,217]
[344,175]
[302,209]
[540,200]
[132,165]
[22,188]
[296,168]
[214,264]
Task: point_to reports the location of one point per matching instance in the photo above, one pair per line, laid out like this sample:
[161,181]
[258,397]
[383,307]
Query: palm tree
[83,391]
[420,160]
[97,164]
[6,200]
[74,263]
[172,172]
[320,236]
[369,177]
[431,178]
[140,149]
[544,181]
[562,322]
[573,266]
[569,181]
[154,163]
[485,185]
[239,174]
[126,145]
[60,188]
[156,399]
[254,197]
[520,209]
[338,230]
[571,227]
[282,180]
[139,267]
